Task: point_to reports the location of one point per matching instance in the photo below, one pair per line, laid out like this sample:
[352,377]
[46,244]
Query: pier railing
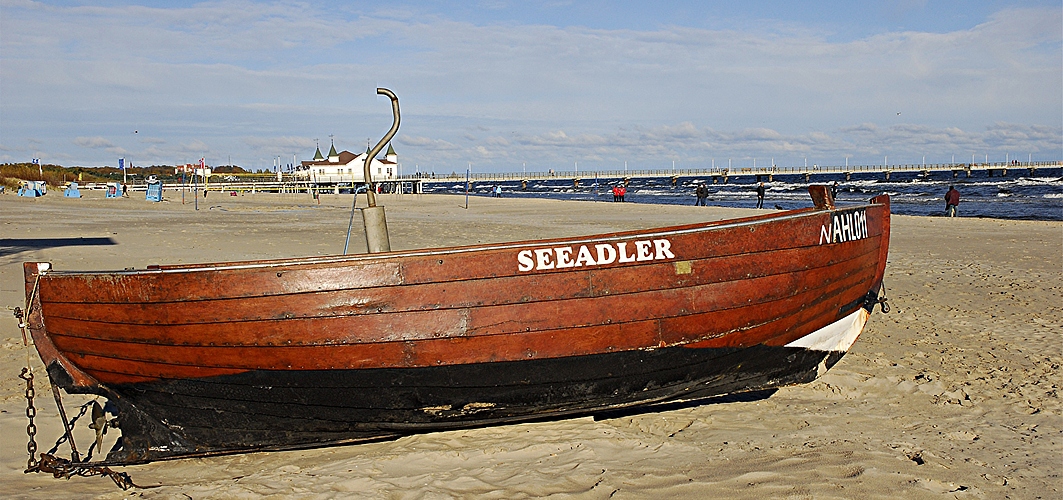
[412,183]
[731,172]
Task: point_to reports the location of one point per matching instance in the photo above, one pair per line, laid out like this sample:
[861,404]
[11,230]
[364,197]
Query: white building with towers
[346,167]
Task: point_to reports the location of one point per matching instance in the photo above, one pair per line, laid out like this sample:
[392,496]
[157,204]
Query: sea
[1018,195]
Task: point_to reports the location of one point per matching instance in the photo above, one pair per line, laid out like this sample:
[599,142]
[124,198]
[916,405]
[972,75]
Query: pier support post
[1032,171]
[989,171]
[968,172]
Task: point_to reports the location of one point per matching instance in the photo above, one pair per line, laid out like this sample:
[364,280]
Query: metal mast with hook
[376,227]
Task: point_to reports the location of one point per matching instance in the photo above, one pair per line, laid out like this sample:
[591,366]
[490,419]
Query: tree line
[11,174]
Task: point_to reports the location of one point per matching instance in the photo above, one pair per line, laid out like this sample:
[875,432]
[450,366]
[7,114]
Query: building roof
[346,157]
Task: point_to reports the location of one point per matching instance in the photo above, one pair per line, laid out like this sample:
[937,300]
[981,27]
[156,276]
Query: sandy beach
[952,394]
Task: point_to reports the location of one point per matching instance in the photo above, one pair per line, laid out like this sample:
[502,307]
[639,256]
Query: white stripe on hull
[838,336]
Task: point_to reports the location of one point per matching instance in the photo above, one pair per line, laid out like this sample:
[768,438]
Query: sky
[506,86]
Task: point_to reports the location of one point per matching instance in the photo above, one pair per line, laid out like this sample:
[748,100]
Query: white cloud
[93,142]
[426,143]
[258,80]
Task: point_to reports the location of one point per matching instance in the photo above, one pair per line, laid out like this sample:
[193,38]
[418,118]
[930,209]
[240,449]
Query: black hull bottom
[270,410]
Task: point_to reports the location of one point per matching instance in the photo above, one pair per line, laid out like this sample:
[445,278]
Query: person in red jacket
[952,200]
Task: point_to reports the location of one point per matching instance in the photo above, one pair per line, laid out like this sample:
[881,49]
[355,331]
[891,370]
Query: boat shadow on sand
[742,397]
[15,246]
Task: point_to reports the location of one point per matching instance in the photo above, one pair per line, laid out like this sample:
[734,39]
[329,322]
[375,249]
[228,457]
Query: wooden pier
[413,184]
[762,174]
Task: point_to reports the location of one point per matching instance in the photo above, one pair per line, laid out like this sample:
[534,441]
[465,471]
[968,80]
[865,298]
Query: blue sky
[503,84]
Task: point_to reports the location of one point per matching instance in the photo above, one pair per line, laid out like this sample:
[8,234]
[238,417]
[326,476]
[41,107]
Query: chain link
[48,463]
[31,413]
[62,468]
[62,439]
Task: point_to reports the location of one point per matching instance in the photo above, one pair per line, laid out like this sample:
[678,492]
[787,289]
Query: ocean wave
[1038,181]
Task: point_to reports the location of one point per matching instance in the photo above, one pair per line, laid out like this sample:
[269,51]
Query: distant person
[834,191]
[760,195]
[616,193]
[623,191]
[952,201]
[702,193]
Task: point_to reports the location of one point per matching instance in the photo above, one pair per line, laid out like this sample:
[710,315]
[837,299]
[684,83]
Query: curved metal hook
[376,231]
[370,192]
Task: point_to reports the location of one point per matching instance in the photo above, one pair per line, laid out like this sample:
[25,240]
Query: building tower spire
[333,156]
[317,151]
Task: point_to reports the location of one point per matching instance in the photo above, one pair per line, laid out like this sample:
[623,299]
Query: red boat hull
[305,352]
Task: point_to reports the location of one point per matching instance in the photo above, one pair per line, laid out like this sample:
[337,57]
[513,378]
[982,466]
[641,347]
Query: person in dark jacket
[760,195]
[952,201]
[702,193]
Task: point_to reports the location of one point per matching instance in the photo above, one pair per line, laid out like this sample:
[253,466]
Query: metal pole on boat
[74,455]
[376,227]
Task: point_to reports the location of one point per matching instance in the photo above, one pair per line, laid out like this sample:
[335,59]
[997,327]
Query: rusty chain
[65,469]
[48,463]
[62,439]
[31,413]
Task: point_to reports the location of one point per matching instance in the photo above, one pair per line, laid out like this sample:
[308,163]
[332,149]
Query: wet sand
[952,394]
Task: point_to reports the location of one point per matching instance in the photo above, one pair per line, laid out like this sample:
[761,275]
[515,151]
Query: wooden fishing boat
[280,354]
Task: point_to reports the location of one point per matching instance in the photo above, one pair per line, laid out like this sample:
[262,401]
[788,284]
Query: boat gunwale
[606,269]
[377,257]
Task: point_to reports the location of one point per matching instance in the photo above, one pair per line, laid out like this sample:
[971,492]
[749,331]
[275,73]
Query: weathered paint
[753,291]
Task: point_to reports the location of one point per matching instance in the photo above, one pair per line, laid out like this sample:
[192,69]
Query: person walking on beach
[760,195]
[702,193]
[834,191]
[952,201]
